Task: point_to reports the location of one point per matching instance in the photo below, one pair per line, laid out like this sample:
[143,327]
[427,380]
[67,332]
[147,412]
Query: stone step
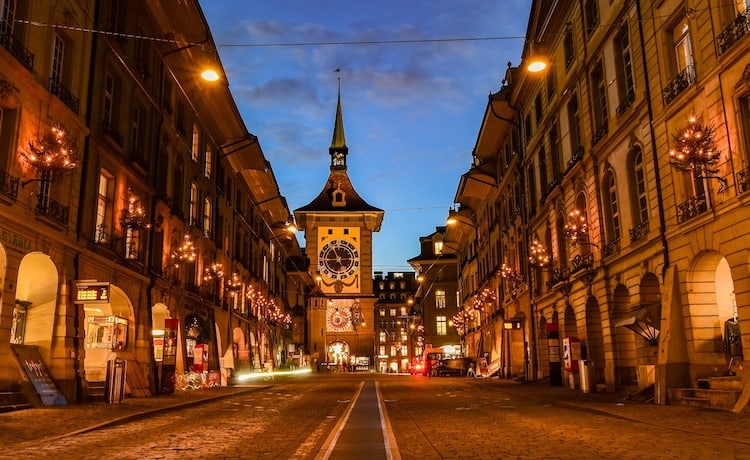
[12,400]
[705,397]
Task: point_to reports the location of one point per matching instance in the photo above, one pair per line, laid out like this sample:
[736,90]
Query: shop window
[107,332]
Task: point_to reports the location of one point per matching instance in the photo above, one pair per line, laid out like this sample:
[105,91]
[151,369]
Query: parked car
[418,368]
[453,367]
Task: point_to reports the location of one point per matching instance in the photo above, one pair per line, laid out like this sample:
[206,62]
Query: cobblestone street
[432,418]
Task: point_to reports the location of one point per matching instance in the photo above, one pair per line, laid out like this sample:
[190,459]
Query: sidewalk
[38,424]
[724,425]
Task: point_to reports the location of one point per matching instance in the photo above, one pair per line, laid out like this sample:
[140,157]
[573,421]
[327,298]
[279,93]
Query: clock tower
[338,226]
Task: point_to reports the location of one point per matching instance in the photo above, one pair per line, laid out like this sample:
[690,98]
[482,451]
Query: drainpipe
[78,309]
[657,176]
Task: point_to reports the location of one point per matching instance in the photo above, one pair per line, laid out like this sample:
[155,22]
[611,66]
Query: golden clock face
[338,259]
[339,319]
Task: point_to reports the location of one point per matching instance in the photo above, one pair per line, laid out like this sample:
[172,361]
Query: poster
[38,373]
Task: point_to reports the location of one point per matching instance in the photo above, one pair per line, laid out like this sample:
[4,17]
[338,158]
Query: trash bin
[114,388]
[587,375]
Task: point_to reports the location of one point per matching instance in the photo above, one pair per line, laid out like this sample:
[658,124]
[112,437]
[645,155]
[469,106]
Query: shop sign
[13,239]
[91,292]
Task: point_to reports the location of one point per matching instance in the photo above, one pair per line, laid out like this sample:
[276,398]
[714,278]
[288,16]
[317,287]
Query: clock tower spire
[338,149]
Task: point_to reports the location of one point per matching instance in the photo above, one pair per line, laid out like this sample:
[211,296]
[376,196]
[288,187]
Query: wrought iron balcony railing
[582,261]
[52,209]
[111,132]
[575,158]
[693,207]
[639,232]
[8,185]
[599,134]
[743,180]
[63,93]
[611,248]
[15,47]
[625,104]
[733,32]
[685,78]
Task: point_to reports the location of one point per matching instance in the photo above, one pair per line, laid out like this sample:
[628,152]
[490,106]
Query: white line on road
[330,443]
[389,439]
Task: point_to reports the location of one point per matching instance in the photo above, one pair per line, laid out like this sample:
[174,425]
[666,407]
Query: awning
[644,321]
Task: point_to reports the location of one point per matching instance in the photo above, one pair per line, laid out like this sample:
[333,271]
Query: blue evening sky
[411,110]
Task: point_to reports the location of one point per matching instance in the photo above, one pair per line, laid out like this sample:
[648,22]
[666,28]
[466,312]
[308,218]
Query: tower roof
[338,194]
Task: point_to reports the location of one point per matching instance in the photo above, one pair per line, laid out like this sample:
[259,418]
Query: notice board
[36,370]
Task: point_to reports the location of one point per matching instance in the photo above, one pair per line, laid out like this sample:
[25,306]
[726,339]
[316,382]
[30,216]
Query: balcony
[52,209]
[558,275]
[599,134]
[625,104]
[639,232]
[582,261]
[683,79]
[575,158]
[611,248]
[743,180]
[8,185]
[15,47]
[66,97]
[111,132]
[693,207]
[734,32]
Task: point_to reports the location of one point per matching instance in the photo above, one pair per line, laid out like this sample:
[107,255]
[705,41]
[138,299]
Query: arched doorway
[108,334]
[595,338]
[35,303]
[338,353]
[712,309]
[241,350]
[623,341]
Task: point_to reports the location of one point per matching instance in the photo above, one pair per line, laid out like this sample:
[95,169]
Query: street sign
[91,292]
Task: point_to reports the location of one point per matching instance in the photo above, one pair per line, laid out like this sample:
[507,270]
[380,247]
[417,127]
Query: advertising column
[169,360]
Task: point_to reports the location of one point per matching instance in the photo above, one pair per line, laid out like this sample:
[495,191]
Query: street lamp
[696,151]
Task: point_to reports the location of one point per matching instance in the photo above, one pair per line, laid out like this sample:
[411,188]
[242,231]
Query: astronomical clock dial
[339,319]
[338,259]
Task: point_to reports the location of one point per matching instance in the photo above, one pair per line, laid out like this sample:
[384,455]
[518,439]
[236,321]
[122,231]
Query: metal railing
[8,185]
[693,207]
[15,47]
[743,180]
[63,93]
[685,78]
[639,232]
[734,31]
[52,209]
[625,104]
